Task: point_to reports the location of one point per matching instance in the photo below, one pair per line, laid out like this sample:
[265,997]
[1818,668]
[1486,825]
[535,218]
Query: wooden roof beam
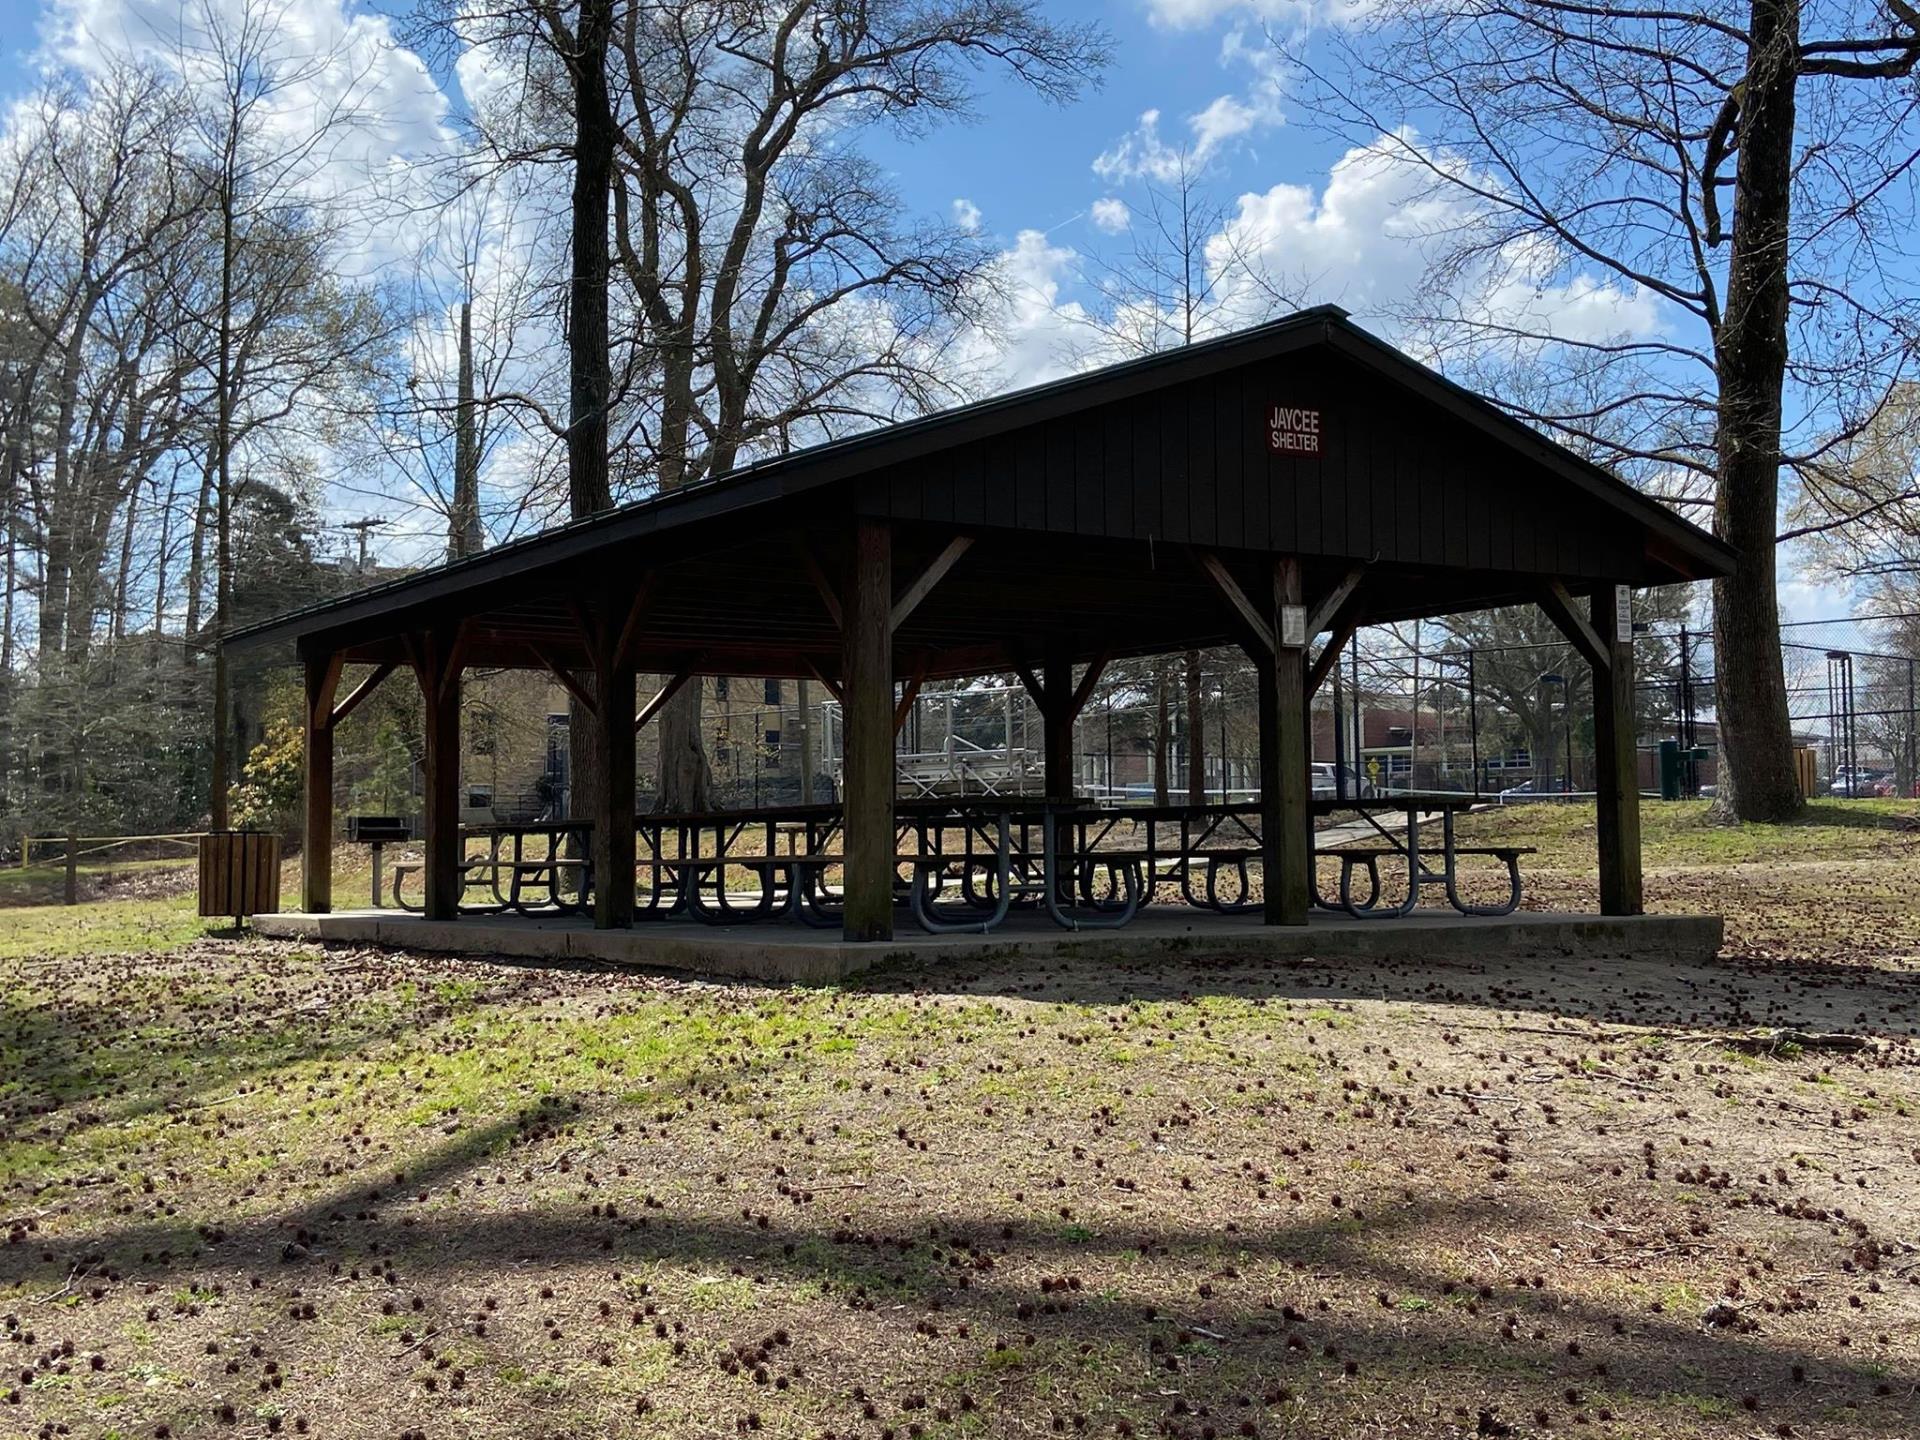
[658,700]
[1579,631]
[910,600]
[1320,619]
[1261,630]
[361,691]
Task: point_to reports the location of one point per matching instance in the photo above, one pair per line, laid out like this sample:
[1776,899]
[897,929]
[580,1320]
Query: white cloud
[1367,239]
[1110,215]
[1034,334]
[1193,14]
[966,215]
[1144,154]
[1227,118]
[322,59]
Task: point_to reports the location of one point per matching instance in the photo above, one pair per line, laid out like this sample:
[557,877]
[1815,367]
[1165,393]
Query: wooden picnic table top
[1403,802]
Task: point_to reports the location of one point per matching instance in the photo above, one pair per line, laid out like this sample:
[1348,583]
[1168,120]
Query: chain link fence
[1511,719]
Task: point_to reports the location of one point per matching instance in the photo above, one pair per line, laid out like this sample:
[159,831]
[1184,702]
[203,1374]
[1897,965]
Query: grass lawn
[249,1188]
[40,884]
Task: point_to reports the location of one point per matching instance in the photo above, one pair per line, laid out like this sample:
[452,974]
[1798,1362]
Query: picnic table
[1423,867]
[528,866]
[964,864]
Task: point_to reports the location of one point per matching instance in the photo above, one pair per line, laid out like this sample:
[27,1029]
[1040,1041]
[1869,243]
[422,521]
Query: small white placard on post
[1293,626]
[1623,614]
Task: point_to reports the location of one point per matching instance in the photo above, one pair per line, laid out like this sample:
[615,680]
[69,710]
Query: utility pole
[804,700]
[362,527]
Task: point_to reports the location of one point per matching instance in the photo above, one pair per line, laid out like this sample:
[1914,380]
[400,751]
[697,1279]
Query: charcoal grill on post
[378,831]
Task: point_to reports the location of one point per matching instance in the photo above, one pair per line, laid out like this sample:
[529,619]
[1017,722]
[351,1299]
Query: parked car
[1325,779]
[1849,781]
[1552,785]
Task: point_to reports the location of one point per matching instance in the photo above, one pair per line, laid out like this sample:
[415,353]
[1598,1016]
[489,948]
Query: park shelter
[1264,489]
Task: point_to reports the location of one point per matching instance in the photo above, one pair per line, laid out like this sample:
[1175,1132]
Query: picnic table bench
[963,865]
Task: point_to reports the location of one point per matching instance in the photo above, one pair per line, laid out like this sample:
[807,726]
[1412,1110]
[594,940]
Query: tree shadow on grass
[1167,1301]
[1732,995]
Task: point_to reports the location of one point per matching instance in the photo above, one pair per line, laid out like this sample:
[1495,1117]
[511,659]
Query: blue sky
[1187,73]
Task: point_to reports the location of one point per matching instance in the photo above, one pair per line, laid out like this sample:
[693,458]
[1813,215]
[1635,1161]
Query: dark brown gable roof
[1411,471]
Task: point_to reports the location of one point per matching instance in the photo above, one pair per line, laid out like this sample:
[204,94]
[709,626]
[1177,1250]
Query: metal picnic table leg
[922,904]
[1050,878]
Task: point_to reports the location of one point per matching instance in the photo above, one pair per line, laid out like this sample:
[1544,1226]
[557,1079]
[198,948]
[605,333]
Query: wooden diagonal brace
[1322,616]
[1579,631]
[658,700]
[829,597]
[1083,692]
[908,693]
[1229,588]
[456,657]
[1034,688]
[930,577]
[630,631]
[1344,624]
[320,697]
[833,686]
[361,691]
[592,633]
[581,695]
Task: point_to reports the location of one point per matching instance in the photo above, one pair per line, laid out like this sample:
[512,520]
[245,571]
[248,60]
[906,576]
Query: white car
[1325,780]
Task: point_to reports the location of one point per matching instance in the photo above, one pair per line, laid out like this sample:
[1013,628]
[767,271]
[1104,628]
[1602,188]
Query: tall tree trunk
[217,781]
[1162,731]
[1756,736]
[123,574]
[160,568]
[197,555]
[589,361]
[9,587]
[686,779]
[463,525]
[55,563]
[1196,733]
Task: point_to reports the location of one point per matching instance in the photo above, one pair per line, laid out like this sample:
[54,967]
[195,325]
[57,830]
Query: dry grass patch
[249,1188]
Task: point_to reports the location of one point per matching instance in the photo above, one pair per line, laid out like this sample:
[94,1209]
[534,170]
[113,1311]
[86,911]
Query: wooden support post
[1617,757]
[316,834]
[613,828]
[1056,714]
[73,868]
[1286,827]
[867,677]
[436,663]
[1056,720]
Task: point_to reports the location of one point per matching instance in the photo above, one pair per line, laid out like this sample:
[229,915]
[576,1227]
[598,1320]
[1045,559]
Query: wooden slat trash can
[239,873]
[1806,768]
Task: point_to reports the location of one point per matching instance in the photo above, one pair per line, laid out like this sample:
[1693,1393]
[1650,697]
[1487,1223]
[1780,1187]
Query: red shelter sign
[1292,430]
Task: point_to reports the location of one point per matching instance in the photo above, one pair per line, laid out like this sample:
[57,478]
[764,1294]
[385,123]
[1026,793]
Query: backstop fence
[1401,710]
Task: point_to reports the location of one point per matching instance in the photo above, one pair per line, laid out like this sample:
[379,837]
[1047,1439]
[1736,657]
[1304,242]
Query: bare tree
[768,289]
[96,236]
[1570,139]
[1876,488]
[1177,275]
[265,182]
[474,334]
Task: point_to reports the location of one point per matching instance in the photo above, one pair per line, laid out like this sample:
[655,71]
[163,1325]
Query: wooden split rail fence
[73,846]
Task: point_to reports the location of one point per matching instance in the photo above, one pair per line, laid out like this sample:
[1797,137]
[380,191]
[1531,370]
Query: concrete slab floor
[779,951]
